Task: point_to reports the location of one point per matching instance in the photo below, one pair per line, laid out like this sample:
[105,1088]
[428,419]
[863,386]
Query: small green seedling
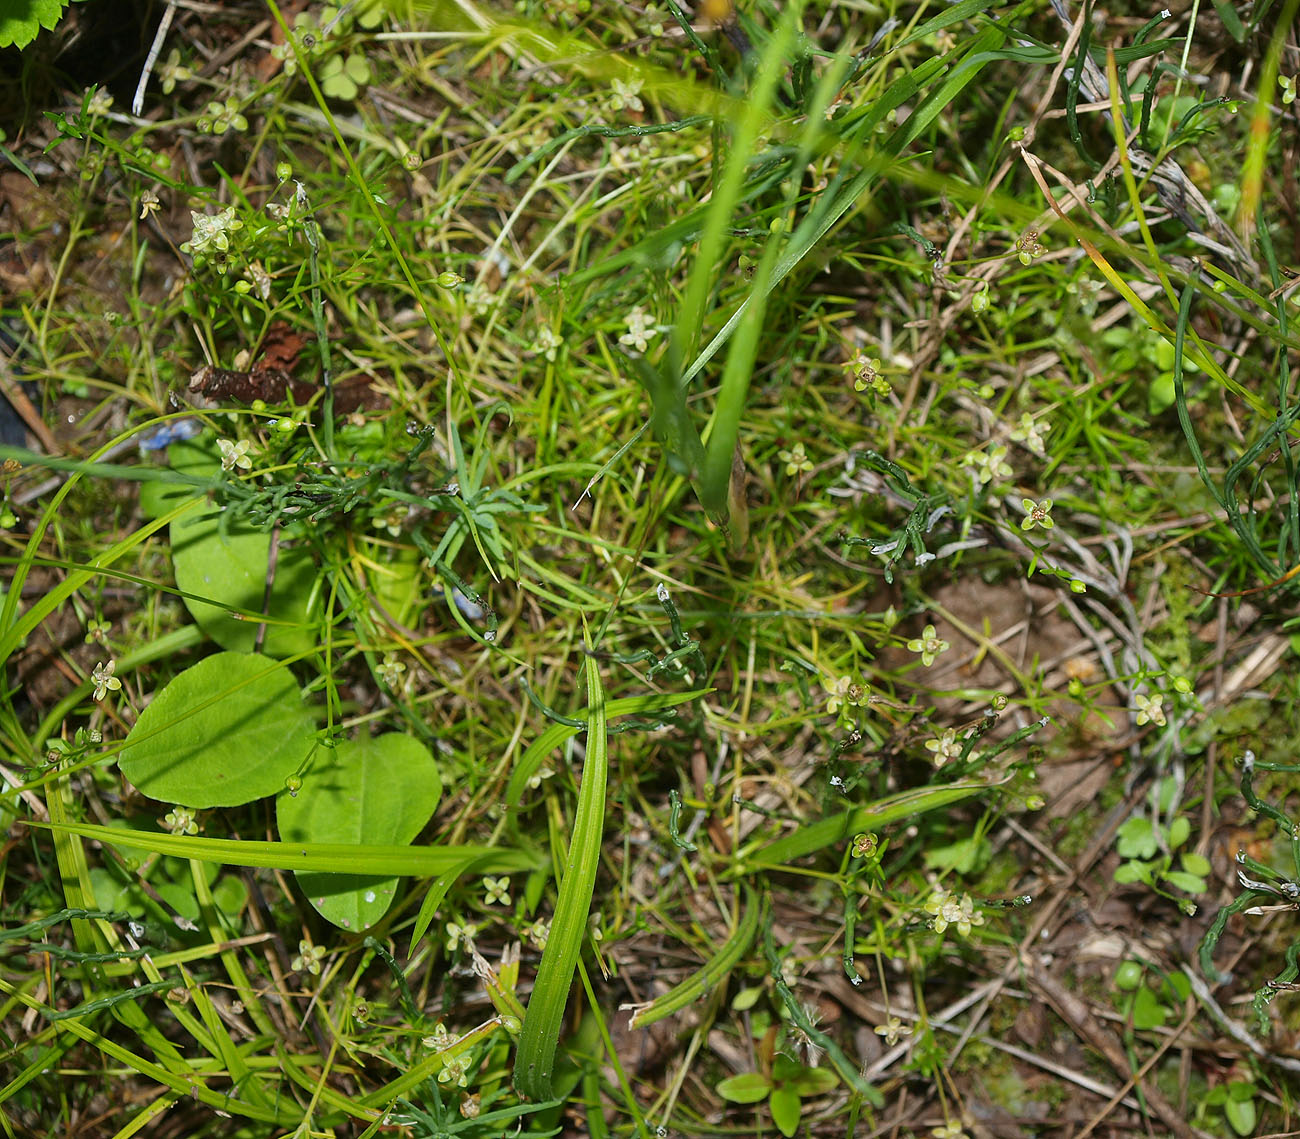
[1143,1006]
[1238,1102]
[1150,853]
[785,1090]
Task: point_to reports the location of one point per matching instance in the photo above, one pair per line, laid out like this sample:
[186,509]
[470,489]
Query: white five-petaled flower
[104,680]
[639,330]
[234,455]
[1036,514]
[928,645]
[1151,709]
[945,747]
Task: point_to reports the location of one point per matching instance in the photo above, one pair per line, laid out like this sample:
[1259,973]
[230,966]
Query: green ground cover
[601,569]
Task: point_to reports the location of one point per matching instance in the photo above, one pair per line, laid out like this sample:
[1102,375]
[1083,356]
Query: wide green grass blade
[535,1060]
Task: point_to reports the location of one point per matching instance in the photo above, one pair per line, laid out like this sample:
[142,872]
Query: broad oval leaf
[229,730]
[382,790]
[196,457]
[228,565]
[786,1109]
[748,1087]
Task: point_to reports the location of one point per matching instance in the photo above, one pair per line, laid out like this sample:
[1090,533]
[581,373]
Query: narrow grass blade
[535,1059]
[713,974]
[817,836]
[727,192]
[343,858]
[185,1085]
[556,734]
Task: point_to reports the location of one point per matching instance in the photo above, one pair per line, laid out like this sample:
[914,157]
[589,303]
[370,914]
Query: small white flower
[543,772]
[101,102]
[390,670]
[1151,709]
[837,693]
[104,680]
[892,1029]
[234,455]
[626,95]
[309,957]
[171,72]
[948,911]
[458,934]
[945,747]
[1037,514]
[212,231]
[639,330]
[496,890]
[546,343]
[929,645]
[796,462]
[455,1070]
[1030,433]
[180,820]
[989,464]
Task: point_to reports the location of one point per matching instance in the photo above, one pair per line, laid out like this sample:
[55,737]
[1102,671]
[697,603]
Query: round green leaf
[227,565]
[1128,976]
[229,730]
[382,790]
